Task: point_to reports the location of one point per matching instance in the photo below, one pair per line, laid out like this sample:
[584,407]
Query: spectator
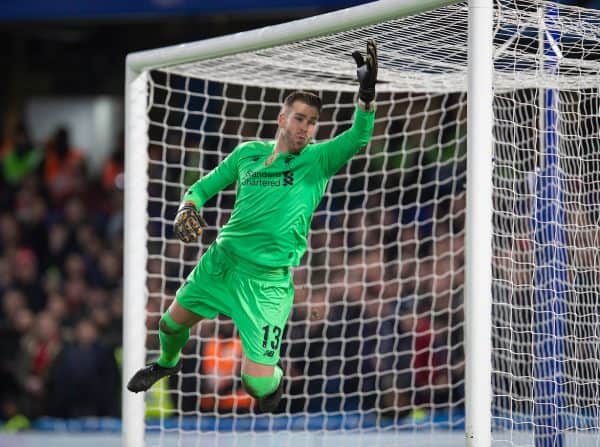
[110,270]
[397,349]
[350,337]
[112,171]
[59,246]
[6,274]
[221,363]
[26,278]
[57,307]
[31,211]
[305,348]
[20,157]
[64,168]
[84,378]
[16,320]
[10,236]
[76,293]
[38,349]
[12,301]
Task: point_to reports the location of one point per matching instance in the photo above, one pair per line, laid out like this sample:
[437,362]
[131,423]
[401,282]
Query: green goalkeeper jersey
[274,204]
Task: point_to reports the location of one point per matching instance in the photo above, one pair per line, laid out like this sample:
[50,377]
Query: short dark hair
[307,98]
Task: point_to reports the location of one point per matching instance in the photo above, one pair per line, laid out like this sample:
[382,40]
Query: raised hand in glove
[366,72]
[188,223]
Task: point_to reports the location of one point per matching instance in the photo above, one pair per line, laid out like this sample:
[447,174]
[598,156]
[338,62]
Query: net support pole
[135,253]
[478,298]
[550,261]
[294,31]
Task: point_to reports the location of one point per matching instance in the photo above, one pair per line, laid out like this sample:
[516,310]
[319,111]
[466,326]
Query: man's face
[298,125]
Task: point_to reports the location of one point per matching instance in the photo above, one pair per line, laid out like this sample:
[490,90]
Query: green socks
[173,337]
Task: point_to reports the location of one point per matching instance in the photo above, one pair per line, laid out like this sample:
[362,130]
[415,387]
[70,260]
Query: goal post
[134,252]
[449,282]
[478,243]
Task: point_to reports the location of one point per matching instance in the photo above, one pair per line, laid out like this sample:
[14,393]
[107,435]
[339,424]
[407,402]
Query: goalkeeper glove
[188,222]
[366,72]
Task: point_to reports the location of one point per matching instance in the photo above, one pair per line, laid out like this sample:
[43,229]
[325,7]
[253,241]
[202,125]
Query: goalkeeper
[246,274]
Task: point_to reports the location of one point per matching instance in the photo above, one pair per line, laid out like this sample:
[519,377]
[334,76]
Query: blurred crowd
[377,319]
[377,322]
[60,280]
[377,326]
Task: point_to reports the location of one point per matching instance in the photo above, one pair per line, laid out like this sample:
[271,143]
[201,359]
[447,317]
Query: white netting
[547,268]
[375,340]
[372,343]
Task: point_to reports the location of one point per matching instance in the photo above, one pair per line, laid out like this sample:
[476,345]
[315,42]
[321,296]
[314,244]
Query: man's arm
[216,180]
[335,153]
[188,221]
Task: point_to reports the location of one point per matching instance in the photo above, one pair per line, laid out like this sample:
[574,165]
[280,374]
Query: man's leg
[261,301]
[174,331]
[260,318]
[264,383]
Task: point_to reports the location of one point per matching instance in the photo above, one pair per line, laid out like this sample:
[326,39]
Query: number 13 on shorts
[271,337]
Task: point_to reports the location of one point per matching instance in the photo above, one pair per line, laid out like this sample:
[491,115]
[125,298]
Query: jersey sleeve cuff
[366,106]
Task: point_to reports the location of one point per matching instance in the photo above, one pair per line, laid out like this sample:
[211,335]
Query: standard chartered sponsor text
[262,179]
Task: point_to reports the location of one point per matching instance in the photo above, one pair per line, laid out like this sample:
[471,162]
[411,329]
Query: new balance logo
[288,178]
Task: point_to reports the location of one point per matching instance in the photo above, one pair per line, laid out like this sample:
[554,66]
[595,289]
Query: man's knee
[170,327]
[259,387]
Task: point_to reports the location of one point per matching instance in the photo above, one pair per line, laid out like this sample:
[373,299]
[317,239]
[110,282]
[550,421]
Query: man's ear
[281,119]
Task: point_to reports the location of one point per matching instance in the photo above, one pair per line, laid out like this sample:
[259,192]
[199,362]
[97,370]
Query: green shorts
[258,299]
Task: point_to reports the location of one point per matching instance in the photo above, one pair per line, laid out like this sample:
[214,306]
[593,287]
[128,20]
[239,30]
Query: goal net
[375,341]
